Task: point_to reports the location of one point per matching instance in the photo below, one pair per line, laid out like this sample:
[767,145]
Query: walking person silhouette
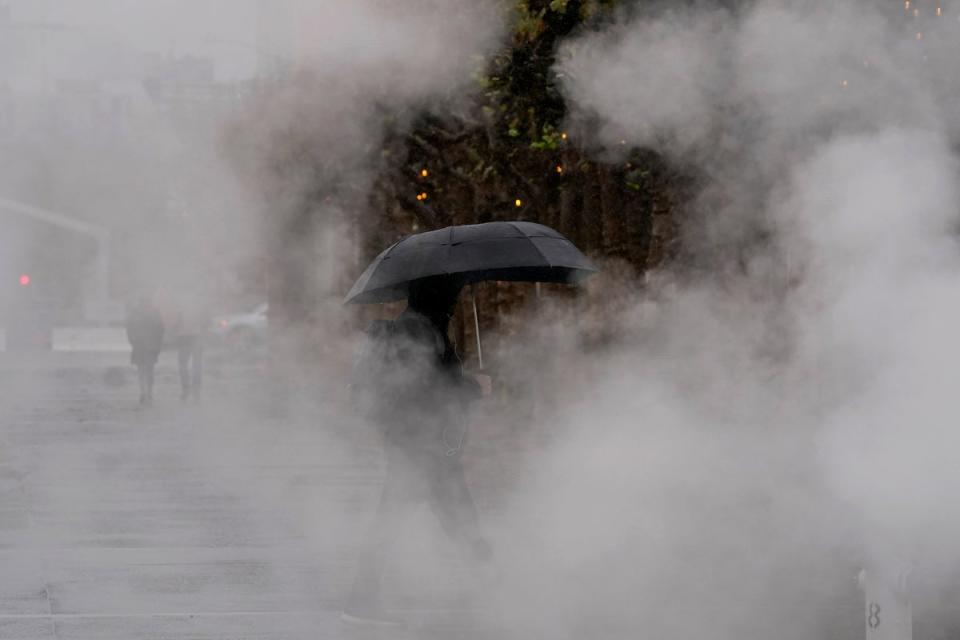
[413,385]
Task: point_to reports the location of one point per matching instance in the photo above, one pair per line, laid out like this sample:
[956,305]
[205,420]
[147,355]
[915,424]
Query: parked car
[242,330]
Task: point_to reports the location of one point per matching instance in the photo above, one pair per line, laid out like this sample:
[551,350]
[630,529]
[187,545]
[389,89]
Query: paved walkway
[199,522]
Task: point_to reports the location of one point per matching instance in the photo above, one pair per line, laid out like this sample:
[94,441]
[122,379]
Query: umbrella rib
[446,264]
[549,264]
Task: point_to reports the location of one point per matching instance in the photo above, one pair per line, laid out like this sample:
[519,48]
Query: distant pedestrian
[145,332]
[191,326]
[411,382]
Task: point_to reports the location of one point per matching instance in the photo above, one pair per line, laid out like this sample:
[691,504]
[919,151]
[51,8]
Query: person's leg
[197,364]
[142,380]
[148,369]
[365,593]
[183,360]
[397,500]
[454,507]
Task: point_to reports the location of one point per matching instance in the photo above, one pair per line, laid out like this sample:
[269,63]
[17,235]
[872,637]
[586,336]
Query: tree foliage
[509,156]
[503,154]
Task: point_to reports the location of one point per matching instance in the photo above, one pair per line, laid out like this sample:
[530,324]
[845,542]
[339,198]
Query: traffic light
[28,321]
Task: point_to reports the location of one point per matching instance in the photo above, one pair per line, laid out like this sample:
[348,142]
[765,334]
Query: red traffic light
[24,280]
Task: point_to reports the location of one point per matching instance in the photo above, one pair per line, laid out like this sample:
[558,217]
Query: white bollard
[888,611]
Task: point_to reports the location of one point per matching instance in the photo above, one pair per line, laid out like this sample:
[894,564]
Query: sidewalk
[176,521]
[82,340]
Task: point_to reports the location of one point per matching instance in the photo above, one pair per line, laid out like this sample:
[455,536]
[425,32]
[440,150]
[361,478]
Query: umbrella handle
[476,324]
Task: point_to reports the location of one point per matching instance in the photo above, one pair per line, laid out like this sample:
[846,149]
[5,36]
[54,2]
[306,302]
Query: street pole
[102,293]
[476,324]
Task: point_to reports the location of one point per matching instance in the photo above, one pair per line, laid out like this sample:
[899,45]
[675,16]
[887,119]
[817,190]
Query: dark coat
[414,386]
[145,333]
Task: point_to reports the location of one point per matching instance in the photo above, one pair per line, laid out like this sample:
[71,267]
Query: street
[179,521]
[525,320]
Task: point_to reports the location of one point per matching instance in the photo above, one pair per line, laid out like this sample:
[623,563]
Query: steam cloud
[786,417]
[314,147]
[773,422]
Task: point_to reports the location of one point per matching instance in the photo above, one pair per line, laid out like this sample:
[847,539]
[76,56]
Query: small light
[424,173]
[919,35]
[939,11]
[518,202]
[844,83]
[906,5]
[559,169]
[423,196]
[24,280]
[563,136]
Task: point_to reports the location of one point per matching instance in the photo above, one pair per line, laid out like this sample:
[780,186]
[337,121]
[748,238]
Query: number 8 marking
[874,618]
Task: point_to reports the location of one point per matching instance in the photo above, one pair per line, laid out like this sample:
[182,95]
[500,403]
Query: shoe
[371,617]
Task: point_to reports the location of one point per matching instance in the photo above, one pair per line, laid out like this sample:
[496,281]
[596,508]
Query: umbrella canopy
[515,251]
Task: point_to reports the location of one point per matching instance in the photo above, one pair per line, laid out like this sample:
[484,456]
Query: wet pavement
[201,521]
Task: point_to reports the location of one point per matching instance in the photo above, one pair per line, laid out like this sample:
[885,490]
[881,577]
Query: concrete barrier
[109,339]
[82,339]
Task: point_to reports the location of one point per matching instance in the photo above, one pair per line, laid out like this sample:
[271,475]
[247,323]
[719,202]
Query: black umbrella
[513,251]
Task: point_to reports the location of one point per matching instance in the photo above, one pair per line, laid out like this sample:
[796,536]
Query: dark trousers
[414,477]
[190,352]
[145,377]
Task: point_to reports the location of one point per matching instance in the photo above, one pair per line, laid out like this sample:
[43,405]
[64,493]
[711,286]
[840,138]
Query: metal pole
[476,324]
[102,295]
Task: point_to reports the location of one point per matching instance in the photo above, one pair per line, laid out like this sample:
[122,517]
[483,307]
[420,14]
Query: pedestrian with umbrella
[410,379]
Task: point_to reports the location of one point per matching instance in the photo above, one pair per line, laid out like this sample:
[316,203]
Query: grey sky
[222,29]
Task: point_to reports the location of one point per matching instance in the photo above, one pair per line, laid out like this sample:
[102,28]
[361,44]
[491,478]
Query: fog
[776,411]
[789,420]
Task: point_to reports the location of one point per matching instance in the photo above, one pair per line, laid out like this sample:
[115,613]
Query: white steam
[764,429]
[411,51]
[788,417]
[314,146]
